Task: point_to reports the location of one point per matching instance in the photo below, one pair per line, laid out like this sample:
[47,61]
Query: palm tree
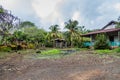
[54,33]
[73,30]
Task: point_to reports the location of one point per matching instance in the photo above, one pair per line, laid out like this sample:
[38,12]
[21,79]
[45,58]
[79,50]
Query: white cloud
[109,8]
[117,7]
[48,12]
[8,3]
[92,22]
[21,8]
[76,15]
[43,8]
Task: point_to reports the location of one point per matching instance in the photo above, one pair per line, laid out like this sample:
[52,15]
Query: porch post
[91,40]
[118,38]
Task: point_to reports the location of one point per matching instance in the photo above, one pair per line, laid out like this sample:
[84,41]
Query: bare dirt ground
[82,66]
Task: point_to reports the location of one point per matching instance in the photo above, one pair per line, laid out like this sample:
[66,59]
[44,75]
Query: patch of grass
[83,49]
[27,51]
[3,54]
[51,52]
[117,50]
[5,49]
[103,51]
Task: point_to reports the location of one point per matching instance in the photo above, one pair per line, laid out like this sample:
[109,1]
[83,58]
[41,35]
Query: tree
[26,24]
[35,35]
[118,23]
[8,22]
[73,30]
[53,34]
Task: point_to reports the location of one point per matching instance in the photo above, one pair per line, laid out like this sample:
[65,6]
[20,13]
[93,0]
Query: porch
[112,44]
[113,36]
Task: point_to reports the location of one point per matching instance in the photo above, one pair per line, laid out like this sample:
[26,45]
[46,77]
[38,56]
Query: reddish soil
[82,66]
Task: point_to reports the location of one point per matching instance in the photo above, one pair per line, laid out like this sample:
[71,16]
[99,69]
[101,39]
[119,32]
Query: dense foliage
[101,42]
[16,34]
[8,22]
[73,31]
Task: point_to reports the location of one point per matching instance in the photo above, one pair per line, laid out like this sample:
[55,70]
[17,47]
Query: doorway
[111,38]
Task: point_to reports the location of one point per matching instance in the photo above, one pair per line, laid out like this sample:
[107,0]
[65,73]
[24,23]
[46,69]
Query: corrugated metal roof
[102,31]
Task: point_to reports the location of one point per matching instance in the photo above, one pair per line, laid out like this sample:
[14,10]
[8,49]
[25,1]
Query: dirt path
[82,66]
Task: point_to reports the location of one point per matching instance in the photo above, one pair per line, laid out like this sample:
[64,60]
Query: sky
[93,14]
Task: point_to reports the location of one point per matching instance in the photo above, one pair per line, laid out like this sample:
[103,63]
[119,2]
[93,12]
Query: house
[60,43]
[110,30]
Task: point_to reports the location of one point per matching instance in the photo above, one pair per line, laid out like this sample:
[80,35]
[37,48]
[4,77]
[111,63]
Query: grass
[117,50]
[103,51]
[3,54]
[113,52]
[23,52]
[57,53]
[51,52]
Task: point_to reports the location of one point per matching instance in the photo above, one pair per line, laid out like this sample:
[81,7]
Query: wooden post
[118,38]
[91,40]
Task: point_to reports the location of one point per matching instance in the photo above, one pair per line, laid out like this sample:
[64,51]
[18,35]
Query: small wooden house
[60,43]
[110,30]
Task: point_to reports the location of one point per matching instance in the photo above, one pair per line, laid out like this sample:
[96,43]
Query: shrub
[81,43]
[18,47]
[13,47]
[38,51]
[117,50]
[5,49]
[30,46]
[101,42]
[48,44]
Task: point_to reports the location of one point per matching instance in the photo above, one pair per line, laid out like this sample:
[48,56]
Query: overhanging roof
[102,31]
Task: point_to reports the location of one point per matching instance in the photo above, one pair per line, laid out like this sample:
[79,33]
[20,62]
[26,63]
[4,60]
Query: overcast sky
[92,14]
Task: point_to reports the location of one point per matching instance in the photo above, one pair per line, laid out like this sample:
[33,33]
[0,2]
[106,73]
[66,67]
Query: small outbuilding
[60,43]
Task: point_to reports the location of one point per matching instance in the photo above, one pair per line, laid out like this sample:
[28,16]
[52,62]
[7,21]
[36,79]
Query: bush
[81,43]
[13,47]
[5,49]
[51,52]
[101,42]
[117,50]
[30,46]
[38,51]
[18,47]
[48,44]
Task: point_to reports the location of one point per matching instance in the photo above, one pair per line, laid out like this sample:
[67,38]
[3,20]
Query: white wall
[116,38]
[110,27]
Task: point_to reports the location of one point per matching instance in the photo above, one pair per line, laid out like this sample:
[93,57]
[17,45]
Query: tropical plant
[117,23]
[73,31]
[8,23]
[53,34]
[35,35]
[101,42]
